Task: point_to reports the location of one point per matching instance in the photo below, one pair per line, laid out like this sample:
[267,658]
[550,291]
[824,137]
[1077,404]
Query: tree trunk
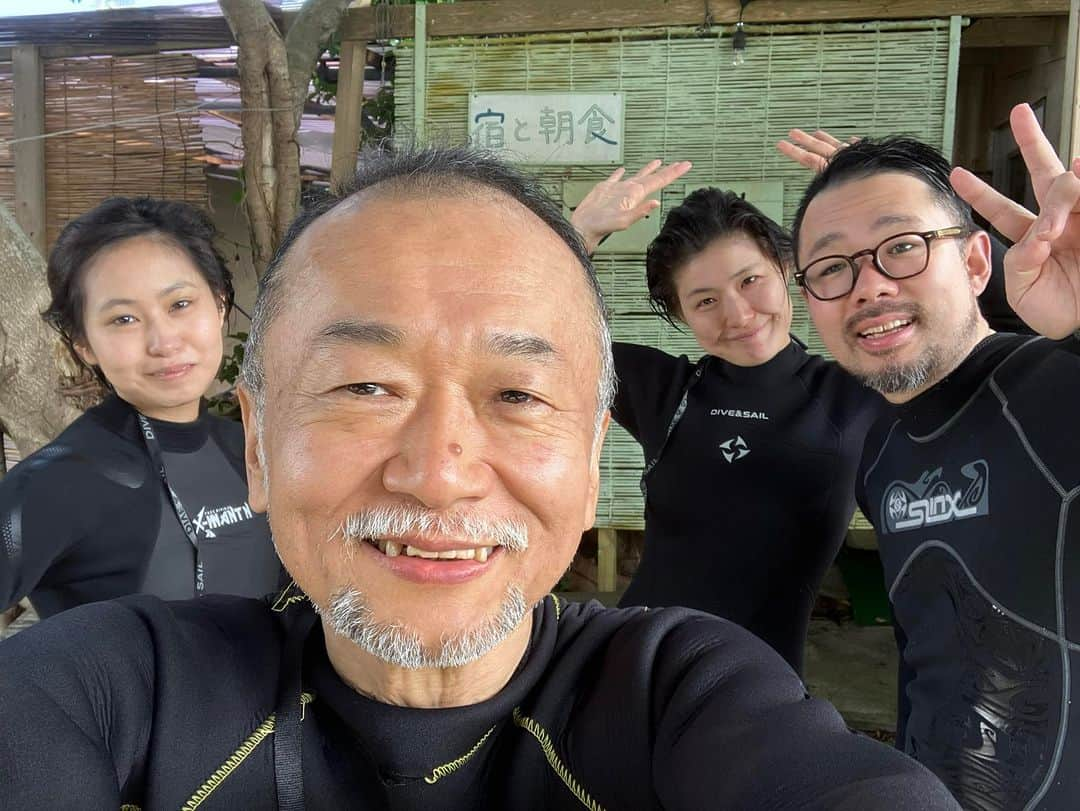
[32,410]
[274,76]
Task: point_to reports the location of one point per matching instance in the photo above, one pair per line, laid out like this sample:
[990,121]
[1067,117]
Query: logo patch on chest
[734,449]
[738,412]
[209,519]
[931,500]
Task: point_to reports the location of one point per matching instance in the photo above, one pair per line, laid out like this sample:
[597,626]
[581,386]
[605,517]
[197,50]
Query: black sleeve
[730,726]
[649,384]
[76,725]
[904,676]
[138,701]
[738,731]
[42,517]
[875,440]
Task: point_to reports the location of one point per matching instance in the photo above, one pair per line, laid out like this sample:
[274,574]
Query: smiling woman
[152,487]
[751,450]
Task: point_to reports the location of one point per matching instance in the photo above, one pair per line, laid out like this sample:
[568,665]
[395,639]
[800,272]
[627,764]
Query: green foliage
[377,120]
[226,404]
[323,91]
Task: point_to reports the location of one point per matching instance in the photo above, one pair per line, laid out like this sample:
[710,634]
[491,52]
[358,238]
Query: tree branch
[313,26]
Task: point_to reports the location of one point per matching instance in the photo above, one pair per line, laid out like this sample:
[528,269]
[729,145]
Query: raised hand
[1042,268]
[810,150]
[615,204]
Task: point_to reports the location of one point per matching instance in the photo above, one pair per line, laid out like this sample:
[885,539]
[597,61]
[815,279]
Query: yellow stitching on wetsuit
[130,807]
[558,607]
[265,729]
[282,602]
[542,737]
[449,768]
[223,771]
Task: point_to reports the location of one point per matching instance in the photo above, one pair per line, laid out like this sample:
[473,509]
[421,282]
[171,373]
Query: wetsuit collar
[404,743]
[925,413]
[411,743]
[175,437]
[779,368]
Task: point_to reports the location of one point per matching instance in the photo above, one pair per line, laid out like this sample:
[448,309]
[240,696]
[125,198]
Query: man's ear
[594,473]
[978,261]
[258,498]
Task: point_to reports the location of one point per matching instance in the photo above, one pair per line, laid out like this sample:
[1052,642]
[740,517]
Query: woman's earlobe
[84,353]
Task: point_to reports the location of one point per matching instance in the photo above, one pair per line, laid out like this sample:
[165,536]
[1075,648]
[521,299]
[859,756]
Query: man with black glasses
[970,483]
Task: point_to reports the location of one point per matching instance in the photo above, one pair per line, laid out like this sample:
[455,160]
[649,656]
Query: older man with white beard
[425,398]
[970,484]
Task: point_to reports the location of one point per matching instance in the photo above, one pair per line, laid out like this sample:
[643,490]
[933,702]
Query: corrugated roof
[201,23]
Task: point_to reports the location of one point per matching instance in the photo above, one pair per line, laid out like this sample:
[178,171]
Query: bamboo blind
[7,132]
[154,147]
[684,100]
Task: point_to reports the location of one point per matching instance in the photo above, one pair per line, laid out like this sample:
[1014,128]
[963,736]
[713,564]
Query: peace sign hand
[1042,268]
[616,204]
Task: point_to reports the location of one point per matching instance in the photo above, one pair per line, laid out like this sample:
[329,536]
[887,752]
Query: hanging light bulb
[738,45]
[738,40]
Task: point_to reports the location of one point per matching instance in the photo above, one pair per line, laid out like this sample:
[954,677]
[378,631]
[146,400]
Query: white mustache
[398,521]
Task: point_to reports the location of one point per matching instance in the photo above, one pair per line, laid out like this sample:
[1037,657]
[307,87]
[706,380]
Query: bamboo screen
[684,100]
[150,144]
[7,132]
[154,147]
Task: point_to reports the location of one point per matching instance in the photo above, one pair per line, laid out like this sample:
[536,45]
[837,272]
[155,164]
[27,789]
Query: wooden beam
[104,49]
[606,558]
[515,17]
[1069,144]
[29,103]
[1010,32]
[350,100]
[419,71]
[951,79]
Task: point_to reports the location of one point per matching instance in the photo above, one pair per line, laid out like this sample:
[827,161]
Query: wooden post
[953,71]
[29,77]
[419,72]
[606,559]
[350,102]
[1069,145]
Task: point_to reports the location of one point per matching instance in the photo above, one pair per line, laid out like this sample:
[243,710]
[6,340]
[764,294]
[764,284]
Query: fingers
[835,143]
[1061,199]
[1039,156]
[643,210]
[647,169]
[815,163]
[1011,219]
[669,174]
[824,147]
[616,175]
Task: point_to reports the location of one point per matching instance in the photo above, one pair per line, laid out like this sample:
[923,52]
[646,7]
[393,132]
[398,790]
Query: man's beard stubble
[349,614]
[936,361]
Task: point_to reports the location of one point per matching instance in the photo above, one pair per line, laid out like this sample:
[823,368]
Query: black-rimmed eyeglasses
[899,257]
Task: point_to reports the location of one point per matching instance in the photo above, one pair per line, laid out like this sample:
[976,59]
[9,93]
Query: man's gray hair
[442,171]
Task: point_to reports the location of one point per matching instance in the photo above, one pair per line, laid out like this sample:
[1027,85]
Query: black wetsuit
[224,702]
[754,488]
[971,488]
[88,518]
